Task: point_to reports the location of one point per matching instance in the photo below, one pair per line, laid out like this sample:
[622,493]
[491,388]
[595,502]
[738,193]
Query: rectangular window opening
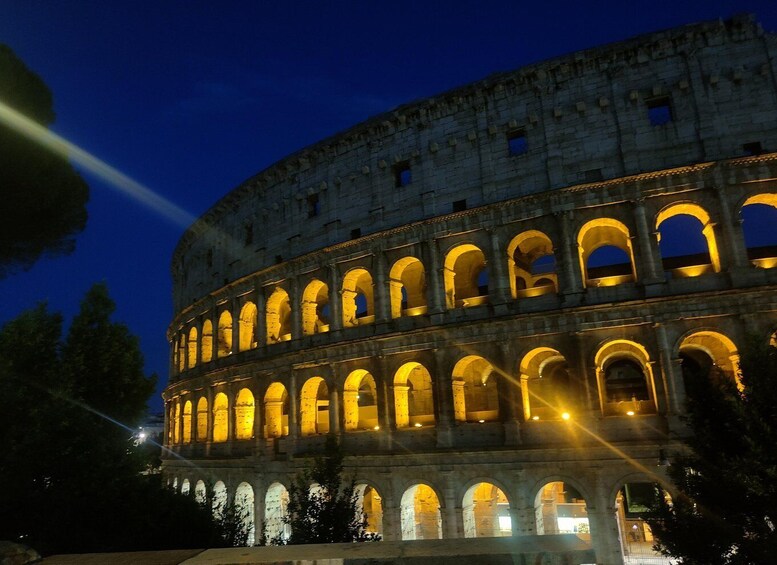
[356,233]
[659,111]
[753,148]
[460,205]
[516,142]
[278,259]
[592,175]
[314,206]
[249,234]
[402,175]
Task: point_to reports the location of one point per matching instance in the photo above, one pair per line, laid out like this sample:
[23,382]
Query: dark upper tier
[702,92]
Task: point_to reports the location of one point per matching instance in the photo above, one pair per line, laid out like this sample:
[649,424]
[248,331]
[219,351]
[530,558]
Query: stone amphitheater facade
[432,288]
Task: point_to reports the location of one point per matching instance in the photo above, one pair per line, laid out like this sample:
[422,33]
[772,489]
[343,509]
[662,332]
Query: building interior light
[376,428]
[535,417]
[565,416]
[481,421]
[417,424]
[630,413]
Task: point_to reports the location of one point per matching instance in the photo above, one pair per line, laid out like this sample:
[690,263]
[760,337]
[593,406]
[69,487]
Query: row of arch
[545,386]
[606,257]
[557,507]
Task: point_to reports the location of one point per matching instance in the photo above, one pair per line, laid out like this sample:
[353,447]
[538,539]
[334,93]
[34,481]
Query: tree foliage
[726,512]
[330,513]
[44,198]
[69,470]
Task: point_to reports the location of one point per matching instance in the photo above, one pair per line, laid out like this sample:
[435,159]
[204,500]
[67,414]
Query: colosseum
[489,297]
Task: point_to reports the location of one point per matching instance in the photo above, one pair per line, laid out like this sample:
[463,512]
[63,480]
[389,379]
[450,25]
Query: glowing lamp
[565,416]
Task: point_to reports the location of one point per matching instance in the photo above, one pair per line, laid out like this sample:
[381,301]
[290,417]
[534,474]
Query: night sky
[190,98]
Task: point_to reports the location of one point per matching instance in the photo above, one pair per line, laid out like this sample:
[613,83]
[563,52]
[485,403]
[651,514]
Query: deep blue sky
[192,97]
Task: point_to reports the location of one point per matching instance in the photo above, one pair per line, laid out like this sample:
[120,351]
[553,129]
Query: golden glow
[360,405]
[278,316]
[357,288]
[719,348]
[692,271]
[413,397]
[313,397]
[276,408]
[522,252]
[602,232]
[247,327]
[544,384]
[630,413]
[765,263]
[407,280]
[220,418]
[207,341]
[417,424]
[535,418]
[463,266]
[484,506]
[181,350]
[420,513]
[244,414]
[565,416]
[225,334]
[202,419]
[767,198]
[695,211]
[475,394]
[624,350]
[103,170]
[187,422]
[315,299]
[192,347]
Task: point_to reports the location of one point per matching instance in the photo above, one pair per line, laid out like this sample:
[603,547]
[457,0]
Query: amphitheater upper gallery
[489,297]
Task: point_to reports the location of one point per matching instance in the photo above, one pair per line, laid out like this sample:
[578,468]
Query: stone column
[648,266]
[510,395]
[591,400]
[261,317]
[210,414]
[734,247]
[435,289]
[570,276]
[392,529]
[380,284]
[452,518]
[334,410]
[235,309]
[260,492]
[335,300]
[385,391]
[293,407]
[444,391]
[605,534]
[295,302]
[500,285]
[671,372]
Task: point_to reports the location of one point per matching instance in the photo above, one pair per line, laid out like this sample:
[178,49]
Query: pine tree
[329,512]
[726,511]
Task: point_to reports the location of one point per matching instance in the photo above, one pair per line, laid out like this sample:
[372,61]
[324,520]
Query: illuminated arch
[219,503]
[605,233]
[192,347]
[465,277]
[420,513]
[315,308]
[202,419]
[695,264]
[244,414]
[200,493]
[559,508]
[408,287]
[173,421]
[225,334]
[545,385]
[247,327]
[207,341]
[475,393]
[314,407]
[486,512]
[358,298]
[276,411]
[278,317]
[360,401]
[181,349]
[187,422]
[531,265]
[413,397]
[185,487]
[625,378]
[370,503]
[276,503]
[244,508]
[633,503]
[710,352]
[760,210]
[220,418]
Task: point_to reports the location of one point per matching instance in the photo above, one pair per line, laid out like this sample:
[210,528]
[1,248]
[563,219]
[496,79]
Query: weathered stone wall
[584,117]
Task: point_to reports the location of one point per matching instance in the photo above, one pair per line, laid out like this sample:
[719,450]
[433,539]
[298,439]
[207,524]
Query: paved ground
[173,557]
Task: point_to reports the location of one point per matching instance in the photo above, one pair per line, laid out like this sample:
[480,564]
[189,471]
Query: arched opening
[606,255]
[633,502]
[408,288]
[314,407]
[687,241]
[486,512]
[187,422]
[276,411]
[175,483]
[247,327]
[244,414]
[278,317]
[192,347]
[219,502]
[202,419]
[532,265]
[420,514]
[244,509]
[225,334]
[200,493]
[276,502]
[560,509]
[358,299]
[182,349]
[207,341]
[546,387]
[185,487]
[173,422]
[625,379]
[220,418]
[315,308]
[759,216]
[465,276]
[371,505]
[475,392]
[709,354]
[413,398]
[360,401]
